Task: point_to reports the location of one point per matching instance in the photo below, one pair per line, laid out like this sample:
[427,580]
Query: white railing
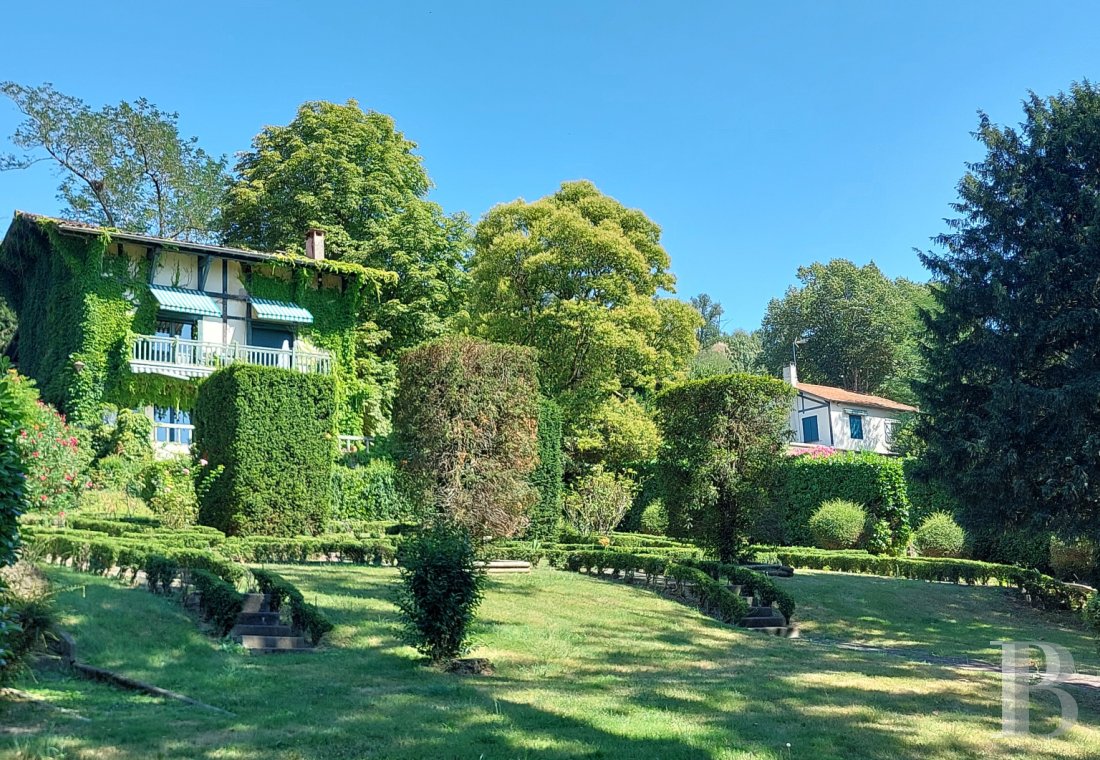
[350,443]
[193,358]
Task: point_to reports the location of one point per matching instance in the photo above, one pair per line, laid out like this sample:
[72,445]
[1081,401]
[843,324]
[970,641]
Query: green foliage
[13,471]
[752,583]
[710,311]
[926,493]
[169,490]
[130,437]
[368,492]
[598,501]
[577,276]
[1010,545]
[837,524]
[304,617]
[873,480]
[353,175]
[860,328]
[738,352]
[939,536]
[1090,612]
[116,473]
[1074,560]
[273,432]
[722,439]
[441,590]
[465,432]
[123,166]
[547,475]
[219,601]
[1009,407]
[27,621]
[654,519]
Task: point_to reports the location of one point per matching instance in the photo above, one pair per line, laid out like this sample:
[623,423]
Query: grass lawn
[585,668]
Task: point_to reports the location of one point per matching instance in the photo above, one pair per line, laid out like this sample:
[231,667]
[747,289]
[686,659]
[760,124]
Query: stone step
[496,566]
[783,631]
[261,630]
[273,642]
[258,618]
[255,603]
[763,622]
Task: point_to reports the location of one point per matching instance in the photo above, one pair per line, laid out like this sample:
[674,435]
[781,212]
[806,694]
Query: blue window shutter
[855,425]
[809,429]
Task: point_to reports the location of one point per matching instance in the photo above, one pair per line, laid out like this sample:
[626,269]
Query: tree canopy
[856,328]
[578,276]
[122,166]
[1011,404]
[352,174]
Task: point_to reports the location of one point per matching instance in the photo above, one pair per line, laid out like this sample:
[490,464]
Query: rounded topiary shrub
[940,536]
[654,519]
[837,524]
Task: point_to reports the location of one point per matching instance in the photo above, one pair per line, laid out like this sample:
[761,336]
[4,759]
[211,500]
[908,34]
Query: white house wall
[834,417]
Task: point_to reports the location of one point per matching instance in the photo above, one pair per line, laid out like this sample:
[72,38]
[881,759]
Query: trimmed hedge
[306,549]
[1042,588]
[873,480]
[304,617]
[711,596]
[273,432]
[219,601]
[368,492]
[757,584]
[547,475]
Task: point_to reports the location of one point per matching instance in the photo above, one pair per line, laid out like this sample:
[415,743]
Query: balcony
[186,359]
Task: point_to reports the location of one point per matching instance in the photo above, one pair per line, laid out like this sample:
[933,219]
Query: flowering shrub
[818,452]
[56,461]
[170,492]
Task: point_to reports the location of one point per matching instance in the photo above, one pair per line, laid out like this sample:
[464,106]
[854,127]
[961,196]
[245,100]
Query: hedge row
[1042,588]
[305,549]
[712,597]
[219,601]
[304,617]
[536,552]
[756,584]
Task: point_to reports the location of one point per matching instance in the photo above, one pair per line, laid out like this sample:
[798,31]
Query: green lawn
[585,668]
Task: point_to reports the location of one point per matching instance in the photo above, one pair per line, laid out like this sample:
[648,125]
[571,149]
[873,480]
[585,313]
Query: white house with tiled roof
[826,416]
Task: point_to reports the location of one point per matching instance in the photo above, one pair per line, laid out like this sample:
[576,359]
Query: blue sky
[759,136]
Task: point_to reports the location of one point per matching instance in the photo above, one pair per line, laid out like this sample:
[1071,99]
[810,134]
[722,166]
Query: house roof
[842,396]
[278,258]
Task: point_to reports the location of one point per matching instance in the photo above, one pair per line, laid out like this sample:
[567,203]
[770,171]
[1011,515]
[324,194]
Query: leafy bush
[723,437]
[169,490]
[268,434]
[873,480]
[838,524]
[465,431]
[547,475]
[219,601]
[1073,560]
[283,595]
[441,589]
[130,438]
[940,536]
[1008,544]
[116,473]
[654,519]
[368,492]
[598,501]
[12,472]
[1091,613]
[26,623]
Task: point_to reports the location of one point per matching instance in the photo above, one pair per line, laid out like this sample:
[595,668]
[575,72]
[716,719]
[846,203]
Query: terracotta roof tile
[842,396]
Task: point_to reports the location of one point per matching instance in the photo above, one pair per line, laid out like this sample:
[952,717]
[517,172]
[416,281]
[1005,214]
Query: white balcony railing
[193,358]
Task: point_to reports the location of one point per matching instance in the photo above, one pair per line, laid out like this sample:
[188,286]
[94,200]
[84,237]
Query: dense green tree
[737,352]
[122,166]
[578,276]
[1011,404]
[711,312]
[856,328]
[722,438]
[8,325]
[353,175]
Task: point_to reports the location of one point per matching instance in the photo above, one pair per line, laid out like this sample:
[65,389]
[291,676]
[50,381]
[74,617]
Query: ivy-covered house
[110,318]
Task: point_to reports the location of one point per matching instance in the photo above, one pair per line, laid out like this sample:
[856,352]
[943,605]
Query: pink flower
[42,497]
[42,478]
[203,463]
[88,484]
[34,454]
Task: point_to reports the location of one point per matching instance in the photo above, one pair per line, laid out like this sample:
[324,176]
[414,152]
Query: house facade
[826,416]
[109,318]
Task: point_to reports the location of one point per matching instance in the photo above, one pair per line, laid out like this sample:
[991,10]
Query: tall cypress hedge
[547,475]
[273,431]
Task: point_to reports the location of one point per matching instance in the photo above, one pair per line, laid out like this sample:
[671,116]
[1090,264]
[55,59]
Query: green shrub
[547,475]
[927,495]
[441,590]
[116,473]
[269,435]
[1091,614]
[283,595]
[598,501]
[654,519]
[12,470]
[838,524]
[130,438]
[368,492]
[1073,560]
[465,432]
[1009,544]
[169,490]
[873,480]
[219,601]
[940,536]
[27,621]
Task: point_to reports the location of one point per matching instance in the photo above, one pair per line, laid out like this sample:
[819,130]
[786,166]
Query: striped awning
[185,301]
[281,311]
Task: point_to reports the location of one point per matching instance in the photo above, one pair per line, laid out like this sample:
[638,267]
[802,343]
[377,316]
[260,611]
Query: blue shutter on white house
[855,426]
[809,429]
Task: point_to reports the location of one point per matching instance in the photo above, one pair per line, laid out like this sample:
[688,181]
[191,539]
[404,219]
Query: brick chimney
[315,244]
[790,374]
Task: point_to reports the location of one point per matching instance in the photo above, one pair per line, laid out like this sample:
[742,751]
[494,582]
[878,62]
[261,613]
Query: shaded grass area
[584,668]
[940,618]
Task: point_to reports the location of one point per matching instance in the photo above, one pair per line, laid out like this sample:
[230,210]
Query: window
[891,431]
[170,329]
[167,425]
[809,429]
[174,327]
[855,426]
